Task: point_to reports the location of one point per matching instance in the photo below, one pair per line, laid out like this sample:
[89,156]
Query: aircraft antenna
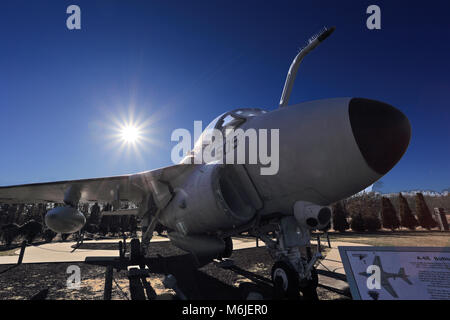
[292,73]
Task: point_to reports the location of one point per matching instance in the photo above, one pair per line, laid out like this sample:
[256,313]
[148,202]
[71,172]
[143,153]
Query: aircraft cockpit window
[228,120]
[247,113]
[231,121]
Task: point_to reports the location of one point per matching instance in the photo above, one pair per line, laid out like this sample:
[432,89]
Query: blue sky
[180,61]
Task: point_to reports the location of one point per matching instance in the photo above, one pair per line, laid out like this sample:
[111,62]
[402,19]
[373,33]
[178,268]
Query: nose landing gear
[285,281]
[293,271]
[288,284]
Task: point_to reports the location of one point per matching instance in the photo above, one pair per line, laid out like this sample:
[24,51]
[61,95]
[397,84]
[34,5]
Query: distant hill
[430,193]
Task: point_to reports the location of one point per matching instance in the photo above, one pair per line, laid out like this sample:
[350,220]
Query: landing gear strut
[293,271]
[285,281]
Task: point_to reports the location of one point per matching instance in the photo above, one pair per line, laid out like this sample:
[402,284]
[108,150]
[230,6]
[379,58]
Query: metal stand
[19,261]
[140,288]
[319,249]
[22,252]
[328,239]
[108,283]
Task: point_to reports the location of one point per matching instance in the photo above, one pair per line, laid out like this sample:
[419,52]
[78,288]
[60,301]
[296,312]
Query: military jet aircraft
[385,276]
[329,149]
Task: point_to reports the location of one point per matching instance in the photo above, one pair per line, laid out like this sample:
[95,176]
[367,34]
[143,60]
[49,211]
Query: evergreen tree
[357,223]
[94,218]
[42,212]
[9,233]
[30,230]
[340,217]
[369,209]
[389,215]
[12,209]
[21,215]
[3,215]
[372,222]
[423,213]
[103,227]
[114,224]
[133,225]
[407,219]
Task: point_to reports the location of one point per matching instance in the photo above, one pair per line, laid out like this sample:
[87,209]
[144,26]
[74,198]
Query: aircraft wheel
[309,287]
[228,248]
[285,281]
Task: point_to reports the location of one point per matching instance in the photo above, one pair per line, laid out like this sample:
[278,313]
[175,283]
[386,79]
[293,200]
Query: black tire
[285,281]
[228,248]
[309,287]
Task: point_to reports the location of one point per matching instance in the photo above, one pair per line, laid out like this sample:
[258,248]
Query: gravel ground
[251,273]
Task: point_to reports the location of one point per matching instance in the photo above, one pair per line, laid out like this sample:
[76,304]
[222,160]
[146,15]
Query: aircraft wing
[407,280]
[387,286]
[132,187]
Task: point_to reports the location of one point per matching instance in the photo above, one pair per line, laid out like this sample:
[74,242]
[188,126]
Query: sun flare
[130,134]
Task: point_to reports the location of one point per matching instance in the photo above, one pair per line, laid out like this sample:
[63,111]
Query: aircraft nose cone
[381,131]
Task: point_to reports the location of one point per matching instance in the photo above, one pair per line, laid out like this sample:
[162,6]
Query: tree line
[26,221]
[369,212]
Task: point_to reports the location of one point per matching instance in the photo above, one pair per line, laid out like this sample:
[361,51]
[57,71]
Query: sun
[130,133]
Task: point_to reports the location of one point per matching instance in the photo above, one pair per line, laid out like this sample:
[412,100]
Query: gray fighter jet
[328,149]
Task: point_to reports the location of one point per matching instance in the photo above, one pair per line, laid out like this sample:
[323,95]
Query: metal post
[328,239]
[121,250]
[151,293]
[22,252]
[108,283]
[318,243]
[136,288]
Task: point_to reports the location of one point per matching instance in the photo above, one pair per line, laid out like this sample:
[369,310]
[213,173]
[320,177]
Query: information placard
[397,273]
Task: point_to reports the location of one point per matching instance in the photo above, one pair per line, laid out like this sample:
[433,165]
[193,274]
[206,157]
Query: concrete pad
[61,251]
[331,270]
[245,244]
[332,261]
[55,252]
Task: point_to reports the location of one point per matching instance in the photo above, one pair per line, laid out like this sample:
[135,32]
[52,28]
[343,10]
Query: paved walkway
[331,270]
[61,251]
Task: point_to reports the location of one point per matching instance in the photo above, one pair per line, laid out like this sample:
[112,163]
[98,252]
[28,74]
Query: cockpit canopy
[228,120]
